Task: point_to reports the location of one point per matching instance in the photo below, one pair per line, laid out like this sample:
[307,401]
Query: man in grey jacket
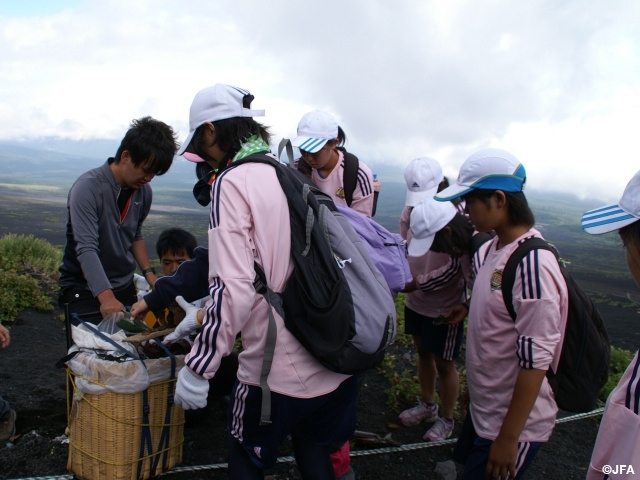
[106,208]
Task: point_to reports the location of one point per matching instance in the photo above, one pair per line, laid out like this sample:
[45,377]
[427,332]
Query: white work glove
[191,390]
[188,324]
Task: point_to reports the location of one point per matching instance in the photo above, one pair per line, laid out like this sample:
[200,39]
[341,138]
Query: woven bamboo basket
[110,440]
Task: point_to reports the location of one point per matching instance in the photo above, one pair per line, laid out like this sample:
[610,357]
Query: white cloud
[554,82]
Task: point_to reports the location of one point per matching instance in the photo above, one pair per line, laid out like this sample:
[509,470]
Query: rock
[446,470]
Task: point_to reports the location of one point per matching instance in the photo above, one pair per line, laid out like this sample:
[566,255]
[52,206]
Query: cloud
[404,78]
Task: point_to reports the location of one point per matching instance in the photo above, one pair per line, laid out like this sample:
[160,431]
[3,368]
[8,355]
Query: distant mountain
[45,170]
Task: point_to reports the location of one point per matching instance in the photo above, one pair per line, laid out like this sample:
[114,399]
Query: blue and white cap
[613,217]
[314,130]
[489,169]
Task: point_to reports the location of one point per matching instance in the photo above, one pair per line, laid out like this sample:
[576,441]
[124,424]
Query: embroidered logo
[415,185]
[340,193]
[257,451]
[136,203]
[496,280]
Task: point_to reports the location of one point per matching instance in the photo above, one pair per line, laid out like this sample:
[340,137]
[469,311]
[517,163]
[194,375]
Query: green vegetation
[28,274]
[620,360]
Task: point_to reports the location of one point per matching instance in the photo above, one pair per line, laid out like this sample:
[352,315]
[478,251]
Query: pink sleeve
[541,304]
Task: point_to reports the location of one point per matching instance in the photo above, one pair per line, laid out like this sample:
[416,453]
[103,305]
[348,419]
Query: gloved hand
[188,323]
[191,390]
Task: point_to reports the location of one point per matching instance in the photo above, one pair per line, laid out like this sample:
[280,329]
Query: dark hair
[151,143]
[519,212]
[230,134]
[445,184]
[454,238]
[631,234]
[176,241]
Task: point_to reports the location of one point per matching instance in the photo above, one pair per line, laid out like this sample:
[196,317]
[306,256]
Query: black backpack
[586,352]
[336,302]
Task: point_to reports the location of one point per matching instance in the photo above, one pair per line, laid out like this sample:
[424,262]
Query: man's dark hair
[519,212]
[151,143]
[175,240]
[455,241]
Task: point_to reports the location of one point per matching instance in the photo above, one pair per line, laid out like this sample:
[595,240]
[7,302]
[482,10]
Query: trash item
[373,439]
[446,470]
[62,439]
[86,339]
[132,324]
[8,426]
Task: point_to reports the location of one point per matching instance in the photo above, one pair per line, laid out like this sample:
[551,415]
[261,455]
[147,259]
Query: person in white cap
[320,140]
[618,443]
[438,241]
[249,222]
[512,410]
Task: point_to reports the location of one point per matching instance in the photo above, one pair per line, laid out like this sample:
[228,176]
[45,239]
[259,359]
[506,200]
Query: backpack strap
[350,175]
[275,301]
[509,272]
[285,144]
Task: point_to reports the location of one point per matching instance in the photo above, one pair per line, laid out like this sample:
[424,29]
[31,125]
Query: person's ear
[210,133]
[125,157]
[500,198]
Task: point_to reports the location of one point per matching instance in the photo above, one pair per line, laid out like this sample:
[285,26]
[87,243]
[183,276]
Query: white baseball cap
[613,217]
[423,175]
[219,102]
[427,218]
[314,130]
[489,169]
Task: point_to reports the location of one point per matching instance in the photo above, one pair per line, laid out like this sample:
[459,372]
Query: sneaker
[441,430]
[8,426]
[419,413]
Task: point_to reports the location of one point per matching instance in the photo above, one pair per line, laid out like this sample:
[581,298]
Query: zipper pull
[341,263]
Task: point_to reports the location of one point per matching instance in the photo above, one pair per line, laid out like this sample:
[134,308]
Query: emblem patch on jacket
[496,280]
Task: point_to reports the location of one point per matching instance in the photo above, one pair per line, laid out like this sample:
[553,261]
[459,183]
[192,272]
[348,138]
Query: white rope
[354,453]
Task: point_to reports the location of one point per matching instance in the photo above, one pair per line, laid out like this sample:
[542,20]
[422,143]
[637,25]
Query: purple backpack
[387,250]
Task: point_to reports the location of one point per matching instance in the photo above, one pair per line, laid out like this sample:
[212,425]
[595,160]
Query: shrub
[28,274]
[620,360]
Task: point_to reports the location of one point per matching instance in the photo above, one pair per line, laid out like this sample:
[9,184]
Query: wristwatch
[148,270]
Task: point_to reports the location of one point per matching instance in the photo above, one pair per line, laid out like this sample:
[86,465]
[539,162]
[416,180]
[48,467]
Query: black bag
[336,303]
[586,352]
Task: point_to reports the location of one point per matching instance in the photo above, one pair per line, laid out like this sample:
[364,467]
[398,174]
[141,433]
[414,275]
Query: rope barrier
[354,453]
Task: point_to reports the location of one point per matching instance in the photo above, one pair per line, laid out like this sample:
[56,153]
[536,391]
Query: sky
[556,83]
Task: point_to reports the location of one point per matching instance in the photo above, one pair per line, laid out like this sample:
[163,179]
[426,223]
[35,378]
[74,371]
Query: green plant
[620,360]
[28,273]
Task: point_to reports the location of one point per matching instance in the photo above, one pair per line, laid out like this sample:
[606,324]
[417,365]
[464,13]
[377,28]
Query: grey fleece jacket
[98,253]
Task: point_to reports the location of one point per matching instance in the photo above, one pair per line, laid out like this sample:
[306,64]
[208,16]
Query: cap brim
[192,157]
[419,246]
[309,144]
[185,145]
[414,198]
[452,192]
[606,219]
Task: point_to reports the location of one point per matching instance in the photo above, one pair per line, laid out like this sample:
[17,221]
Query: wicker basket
[110,439]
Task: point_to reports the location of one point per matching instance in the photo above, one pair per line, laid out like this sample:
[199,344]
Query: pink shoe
[441,430]
[419,413]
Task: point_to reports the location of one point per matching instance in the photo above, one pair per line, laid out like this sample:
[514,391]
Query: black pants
[82,302]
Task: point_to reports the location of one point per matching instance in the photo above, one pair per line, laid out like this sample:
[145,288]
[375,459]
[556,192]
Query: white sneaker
[441,430]
[421,412]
